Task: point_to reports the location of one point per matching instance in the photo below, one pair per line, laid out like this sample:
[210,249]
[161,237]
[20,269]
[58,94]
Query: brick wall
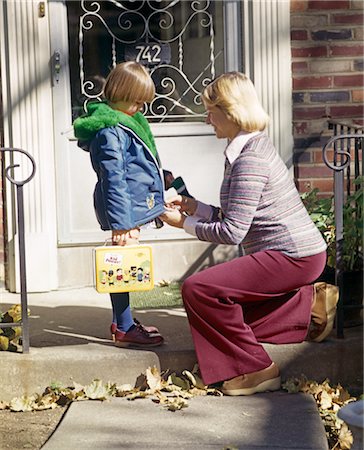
[327,67]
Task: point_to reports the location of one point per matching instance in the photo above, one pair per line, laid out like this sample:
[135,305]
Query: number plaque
[148,53]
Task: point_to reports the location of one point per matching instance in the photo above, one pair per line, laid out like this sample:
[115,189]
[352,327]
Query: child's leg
[121,311]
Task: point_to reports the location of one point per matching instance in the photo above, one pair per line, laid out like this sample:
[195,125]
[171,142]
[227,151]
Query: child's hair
[235,95]
[129,82]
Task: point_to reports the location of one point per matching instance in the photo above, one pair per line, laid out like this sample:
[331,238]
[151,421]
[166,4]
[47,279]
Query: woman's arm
[242,189]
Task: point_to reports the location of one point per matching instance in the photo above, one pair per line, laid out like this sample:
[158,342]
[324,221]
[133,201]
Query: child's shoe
[138,336]
[149,329]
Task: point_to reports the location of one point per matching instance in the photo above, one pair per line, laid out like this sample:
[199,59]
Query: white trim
[269,64]
[28,124]
[232,35]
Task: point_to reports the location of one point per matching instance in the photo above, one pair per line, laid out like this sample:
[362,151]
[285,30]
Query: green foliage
[322,213]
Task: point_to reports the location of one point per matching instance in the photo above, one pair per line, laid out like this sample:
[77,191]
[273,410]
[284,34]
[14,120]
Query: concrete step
[71,343]
[260,422]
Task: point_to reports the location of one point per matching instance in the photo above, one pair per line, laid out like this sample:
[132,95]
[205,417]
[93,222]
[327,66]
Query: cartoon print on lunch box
[123,269]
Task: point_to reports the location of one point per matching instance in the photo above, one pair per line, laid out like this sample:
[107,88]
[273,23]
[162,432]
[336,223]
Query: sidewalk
[69,342]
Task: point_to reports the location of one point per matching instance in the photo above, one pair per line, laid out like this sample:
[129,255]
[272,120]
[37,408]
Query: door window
[181,42]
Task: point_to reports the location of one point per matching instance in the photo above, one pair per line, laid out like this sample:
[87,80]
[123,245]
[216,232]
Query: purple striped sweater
[260,206]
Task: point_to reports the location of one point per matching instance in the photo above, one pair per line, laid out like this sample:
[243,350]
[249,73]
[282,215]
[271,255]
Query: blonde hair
[129,82]
[235,95]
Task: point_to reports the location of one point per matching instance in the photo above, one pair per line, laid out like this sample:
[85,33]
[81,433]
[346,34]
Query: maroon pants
[231,307]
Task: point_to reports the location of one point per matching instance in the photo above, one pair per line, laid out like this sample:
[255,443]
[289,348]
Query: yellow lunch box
[123,269]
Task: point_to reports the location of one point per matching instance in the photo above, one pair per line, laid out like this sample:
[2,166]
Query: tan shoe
[323,311]
[264,380]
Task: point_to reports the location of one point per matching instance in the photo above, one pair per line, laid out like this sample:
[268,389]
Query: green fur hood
[99,116]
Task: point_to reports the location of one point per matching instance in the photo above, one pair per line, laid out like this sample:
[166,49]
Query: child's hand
[183,203]
[125,237]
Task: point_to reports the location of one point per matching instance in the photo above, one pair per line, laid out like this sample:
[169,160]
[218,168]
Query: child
[129,188]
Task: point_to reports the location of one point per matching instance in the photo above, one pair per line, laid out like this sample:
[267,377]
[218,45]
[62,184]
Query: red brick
[327,4]
[314,171]
[324,185]
[303,185]
[346,111]
[309,113]
[357,96]
[349,80]
[346,50]
[298,5]
[317,156]
[299,67]
[350,19]
[300,128]
[309,52]
[312,82]
[299,35]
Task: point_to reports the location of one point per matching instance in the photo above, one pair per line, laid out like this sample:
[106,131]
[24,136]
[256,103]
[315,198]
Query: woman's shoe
[137,337]
[150,330]
[323,311]
[264,380]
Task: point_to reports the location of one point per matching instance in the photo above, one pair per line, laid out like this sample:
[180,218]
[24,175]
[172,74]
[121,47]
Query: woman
[265,295]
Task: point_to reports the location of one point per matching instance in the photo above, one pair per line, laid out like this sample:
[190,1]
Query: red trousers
[231,307]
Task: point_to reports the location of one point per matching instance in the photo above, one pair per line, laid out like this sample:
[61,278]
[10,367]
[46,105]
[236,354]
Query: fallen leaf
[21,404]
[97,390]
[326,400]
[345,438]
[154,379]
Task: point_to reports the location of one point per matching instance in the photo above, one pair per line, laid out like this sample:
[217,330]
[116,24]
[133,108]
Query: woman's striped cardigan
[260,206]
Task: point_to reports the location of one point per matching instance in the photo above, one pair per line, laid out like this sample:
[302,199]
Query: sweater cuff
[190,223]
[204,211]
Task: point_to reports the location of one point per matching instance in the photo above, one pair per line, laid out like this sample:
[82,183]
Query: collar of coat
[99,115]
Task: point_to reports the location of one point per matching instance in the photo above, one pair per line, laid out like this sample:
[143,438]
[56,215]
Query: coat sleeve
[114,188]
[245,183]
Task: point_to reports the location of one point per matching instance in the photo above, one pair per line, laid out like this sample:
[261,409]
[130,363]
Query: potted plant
[322,213]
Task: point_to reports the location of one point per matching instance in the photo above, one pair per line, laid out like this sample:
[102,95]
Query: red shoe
[150,330]
[137,337]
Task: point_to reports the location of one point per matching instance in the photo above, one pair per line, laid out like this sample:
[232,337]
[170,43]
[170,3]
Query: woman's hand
[125,237]
[183,203]
[173,217]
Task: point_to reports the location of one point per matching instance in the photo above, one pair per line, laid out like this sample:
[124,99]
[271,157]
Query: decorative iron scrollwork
[342,158]
[9,168]
[140,22]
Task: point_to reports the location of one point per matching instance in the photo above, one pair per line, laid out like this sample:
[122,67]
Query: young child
[129,188]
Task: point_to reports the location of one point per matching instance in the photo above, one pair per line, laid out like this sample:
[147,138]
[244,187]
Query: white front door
[182,43]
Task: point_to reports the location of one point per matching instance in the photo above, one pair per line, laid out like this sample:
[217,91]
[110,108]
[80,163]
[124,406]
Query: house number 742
[148,53]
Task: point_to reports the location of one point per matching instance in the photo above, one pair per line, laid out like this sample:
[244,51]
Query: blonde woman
[129,188]
[266,295]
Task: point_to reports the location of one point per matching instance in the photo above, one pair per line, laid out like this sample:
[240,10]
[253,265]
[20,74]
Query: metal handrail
[342,161]
[24,323]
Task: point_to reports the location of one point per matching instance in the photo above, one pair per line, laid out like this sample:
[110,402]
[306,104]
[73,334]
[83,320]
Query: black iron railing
[347,165]
[9,173]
